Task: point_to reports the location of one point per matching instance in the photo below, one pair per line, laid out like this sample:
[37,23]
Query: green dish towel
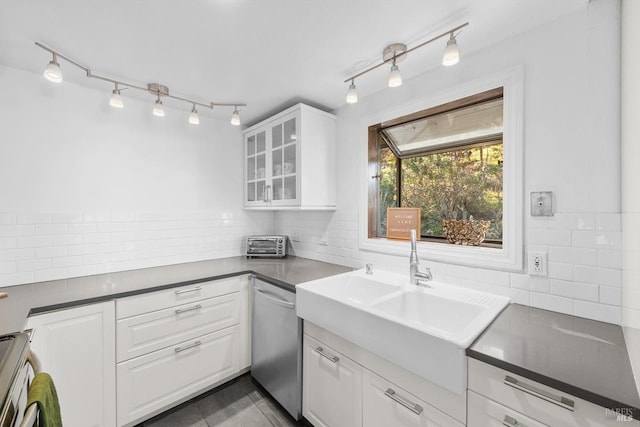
[43,393]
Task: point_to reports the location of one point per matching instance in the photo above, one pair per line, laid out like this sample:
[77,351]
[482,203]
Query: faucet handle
[369,268]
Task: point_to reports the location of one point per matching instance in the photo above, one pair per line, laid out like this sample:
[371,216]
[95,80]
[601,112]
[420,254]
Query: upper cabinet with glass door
[289,161]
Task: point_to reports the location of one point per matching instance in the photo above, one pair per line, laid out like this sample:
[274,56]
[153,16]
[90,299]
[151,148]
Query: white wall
[85,188]
[572,147]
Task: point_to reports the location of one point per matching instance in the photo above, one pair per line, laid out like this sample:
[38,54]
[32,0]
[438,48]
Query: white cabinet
[176,343]
[499,397]
[385,404]
[332,387]
[345,385]
[290,161]
[76,347]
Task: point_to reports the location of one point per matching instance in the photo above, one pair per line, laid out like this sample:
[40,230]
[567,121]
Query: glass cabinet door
[284,167]
[256,168]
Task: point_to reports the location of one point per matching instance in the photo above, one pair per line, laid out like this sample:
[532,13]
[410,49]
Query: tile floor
[240,403]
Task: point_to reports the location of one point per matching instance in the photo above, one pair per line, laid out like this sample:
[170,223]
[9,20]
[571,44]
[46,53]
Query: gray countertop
[585,358]
[45,296]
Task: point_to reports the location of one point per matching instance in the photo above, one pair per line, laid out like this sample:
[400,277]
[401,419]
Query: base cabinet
[332,387]
[499,397]
[346,386]
[77,348]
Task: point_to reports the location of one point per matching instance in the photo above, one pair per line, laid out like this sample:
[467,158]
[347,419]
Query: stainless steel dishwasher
[276,350]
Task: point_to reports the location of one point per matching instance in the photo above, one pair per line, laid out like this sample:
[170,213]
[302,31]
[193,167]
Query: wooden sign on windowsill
[400,222]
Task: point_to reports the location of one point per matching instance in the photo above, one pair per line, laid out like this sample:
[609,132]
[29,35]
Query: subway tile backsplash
[583,251]
[37,247]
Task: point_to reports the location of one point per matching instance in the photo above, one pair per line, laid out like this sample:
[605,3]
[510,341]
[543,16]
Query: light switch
[542,203]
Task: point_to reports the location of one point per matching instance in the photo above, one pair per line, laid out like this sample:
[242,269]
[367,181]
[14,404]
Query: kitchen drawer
[485,412]
[527,397]
[153,382]
[385,404]
[151,301]
[152,331]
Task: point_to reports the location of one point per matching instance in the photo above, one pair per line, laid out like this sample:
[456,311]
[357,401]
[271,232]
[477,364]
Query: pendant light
[52,72]
[235,117]
[451,54]
[116,98]
[193,117]
[352,94]
[158,108]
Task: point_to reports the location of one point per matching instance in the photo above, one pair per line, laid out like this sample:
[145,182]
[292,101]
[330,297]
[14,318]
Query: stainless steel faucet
[416,277]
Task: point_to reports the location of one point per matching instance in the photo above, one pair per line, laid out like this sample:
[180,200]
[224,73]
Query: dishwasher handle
[287,304]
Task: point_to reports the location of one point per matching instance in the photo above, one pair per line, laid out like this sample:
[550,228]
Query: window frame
[510,256]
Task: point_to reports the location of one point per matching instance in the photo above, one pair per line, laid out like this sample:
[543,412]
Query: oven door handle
[278,301]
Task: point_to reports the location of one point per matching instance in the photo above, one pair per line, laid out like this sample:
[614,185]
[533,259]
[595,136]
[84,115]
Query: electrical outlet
[537,263]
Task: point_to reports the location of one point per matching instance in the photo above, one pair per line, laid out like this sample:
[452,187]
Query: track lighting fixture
[193,117]
[352,94]
[397,52]
[235,117]
[53,73]
[451,54]
[158,108]
[116,98]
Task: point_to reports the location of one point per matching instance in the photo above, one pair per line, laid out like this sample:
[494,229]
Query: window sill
[483,256]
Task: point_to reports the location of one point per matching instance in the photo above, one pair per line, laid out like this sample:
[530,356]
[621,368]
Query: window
[445,160]
[471,132]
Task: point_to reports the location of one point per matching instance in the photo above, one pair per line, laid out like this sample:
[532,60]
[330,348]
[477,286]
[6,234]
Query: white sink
[424,330]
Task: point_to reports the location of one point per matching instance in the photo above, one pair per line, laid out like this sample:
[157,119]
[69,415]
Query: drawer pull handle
[321,352]
[184,310]
[186,291]
[413,407]
[561,401]
[511,422]
[180,349]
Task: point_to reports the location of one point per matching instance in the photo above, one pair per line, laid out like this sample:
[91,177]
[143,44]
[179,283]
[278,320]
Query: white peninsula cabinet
[290,161]
[76,347]
[347,386]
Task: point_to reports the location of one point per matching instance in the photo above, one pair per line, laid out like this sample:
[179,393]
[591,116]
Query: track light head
[451,54]
[158,108]
[352,94]
[395,79]
[235,117]
[52,71]
[193,117]
[116,98]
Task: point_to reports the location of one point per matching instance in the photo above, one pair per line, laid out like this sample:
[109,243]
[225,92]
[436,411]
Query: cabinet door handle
[186,291]
[184,310]
[180,349]
[561,401]
[413,407]
[322,353]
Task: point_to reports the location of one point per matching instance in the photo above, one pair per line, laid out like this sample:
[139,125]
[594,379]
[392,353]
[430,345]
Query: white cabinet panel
[77,348]
[385,404]
[148,332]
[332,387]
[156,380]
[485,412]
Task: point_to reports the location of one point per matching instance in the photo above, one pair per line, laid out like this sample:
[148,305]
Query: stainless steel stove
[14,377]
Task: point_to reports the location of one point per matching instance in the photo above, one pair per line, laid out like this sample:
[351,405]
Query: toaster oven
[266,246]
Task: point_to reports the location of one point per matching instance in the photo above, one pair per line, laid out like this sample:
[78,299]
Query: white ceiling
[268,54]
